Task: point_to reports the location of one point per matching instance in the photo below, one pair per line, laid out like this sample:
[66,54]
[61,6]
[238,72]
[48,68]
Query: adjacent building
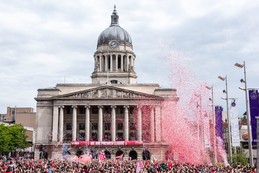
[24,116]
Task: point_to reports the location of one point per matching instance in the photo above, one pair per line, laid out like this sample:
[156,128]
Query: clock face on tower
[113,44]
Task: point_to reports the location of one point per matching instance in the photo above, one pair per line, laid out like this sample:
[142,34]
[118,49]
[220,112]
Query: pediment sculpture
[108,93]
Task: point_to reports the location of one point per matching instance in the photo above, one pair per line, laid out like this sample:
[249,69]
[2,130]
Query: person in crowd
[22,165]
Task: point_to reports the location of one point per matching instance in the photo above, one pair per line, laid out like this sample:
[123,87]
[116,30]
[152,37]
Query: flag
[233,113]
[140,166]
[120,156]
[218,114]
[101,156]
[221,78]
[239,65]
[254,110]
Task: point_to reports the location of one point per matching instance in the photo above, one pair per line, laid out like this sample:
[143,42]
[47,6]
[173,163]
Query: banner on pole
[218,117]
[254,110]
[233,113]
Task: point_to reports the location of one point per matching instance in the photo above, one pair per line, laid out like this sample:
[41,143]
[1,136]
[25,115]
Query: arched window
[114,81]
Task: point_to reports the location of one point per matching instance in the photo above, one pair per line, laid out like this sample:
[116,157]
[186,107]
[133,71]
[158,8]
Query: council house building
[114,113]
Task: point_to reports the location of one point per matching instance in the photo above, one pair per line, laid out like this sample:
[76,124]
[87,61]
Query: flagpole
[250,147]
[229,127]
[214,126]
[199,119]
[214,123]
[248,121]
[228,118]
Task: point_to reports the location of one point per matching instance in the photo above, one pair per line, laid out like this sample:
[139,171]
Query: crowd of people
[112,166]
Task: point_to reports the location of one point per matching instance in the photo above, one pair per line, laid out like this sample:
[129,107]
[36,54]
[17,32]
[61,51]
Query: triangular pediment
[107,92]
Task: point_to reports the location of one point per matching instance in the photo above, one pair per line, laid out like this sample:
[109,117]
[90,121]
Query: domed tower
[114,59]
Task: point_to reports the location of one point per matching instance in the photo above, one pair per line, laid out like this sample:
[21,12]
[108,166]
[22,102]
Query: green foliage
[12,138]
[240,158]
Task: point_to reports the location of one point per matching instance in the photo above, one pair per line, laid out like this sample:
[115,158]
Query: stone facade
[114,113]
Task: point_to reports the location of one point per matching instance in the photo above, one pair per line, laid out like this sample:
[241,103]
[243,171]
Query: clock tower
[114,59]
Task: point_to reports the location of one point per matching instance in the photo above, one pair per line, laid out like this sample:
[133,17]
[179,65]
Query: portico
[114,122]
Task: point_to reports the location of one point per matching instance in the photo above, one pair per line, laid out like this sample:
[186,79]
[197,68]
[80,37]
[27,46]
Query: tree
[12,138]
[5,139]
[240,158]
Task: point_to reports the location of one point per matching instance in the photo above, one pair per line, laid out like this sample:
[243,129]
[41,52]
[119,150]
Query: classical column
[111,57]
[100,123]
[152,124]
[95,63]
[100,63]
[116,62]
[127,64]
[113,125]
[55,124]
[87,123]
[106,63]
[139,125]
[126,123]
[122,64]
[74,123]
[158,123]
[133,63]
[61,123]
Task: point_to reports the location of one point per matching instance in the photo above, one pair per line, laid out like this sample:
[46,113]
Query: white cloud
[41,42]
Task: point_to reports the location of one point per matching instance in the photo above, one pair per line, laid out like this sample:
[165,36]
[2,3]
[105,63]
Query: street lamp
[247,113]
[214,123]
[228,118]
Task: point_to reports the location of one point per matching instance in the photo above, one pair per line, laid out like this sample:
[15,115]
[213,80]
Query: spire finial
[114,17]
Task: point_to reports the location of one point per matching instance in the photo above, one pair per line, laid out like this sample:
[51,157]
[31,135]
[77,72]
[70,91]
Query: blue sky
[43,43]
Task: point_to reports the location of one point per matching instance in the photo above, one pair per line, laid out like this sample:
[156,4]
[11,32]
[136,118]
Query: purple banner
[218,117]
[254,111]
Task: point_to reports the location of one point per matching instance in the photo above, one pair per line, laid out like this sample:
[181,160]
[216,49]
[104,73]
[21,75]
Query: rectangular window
[68,137]
[68,126]
[81,110]
[81,126]
[107,136]
[94,126]
[120,110]
[132,126]
[120,126]
[119,137]
[94,137]
[107,126]
[68,110]
[81,136]
[133,136]
[94,110]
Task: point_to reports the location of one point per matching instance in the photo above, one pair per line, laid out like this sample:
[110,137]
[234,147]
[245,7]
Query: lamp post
[247,113]
[214,123]
[228,118]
